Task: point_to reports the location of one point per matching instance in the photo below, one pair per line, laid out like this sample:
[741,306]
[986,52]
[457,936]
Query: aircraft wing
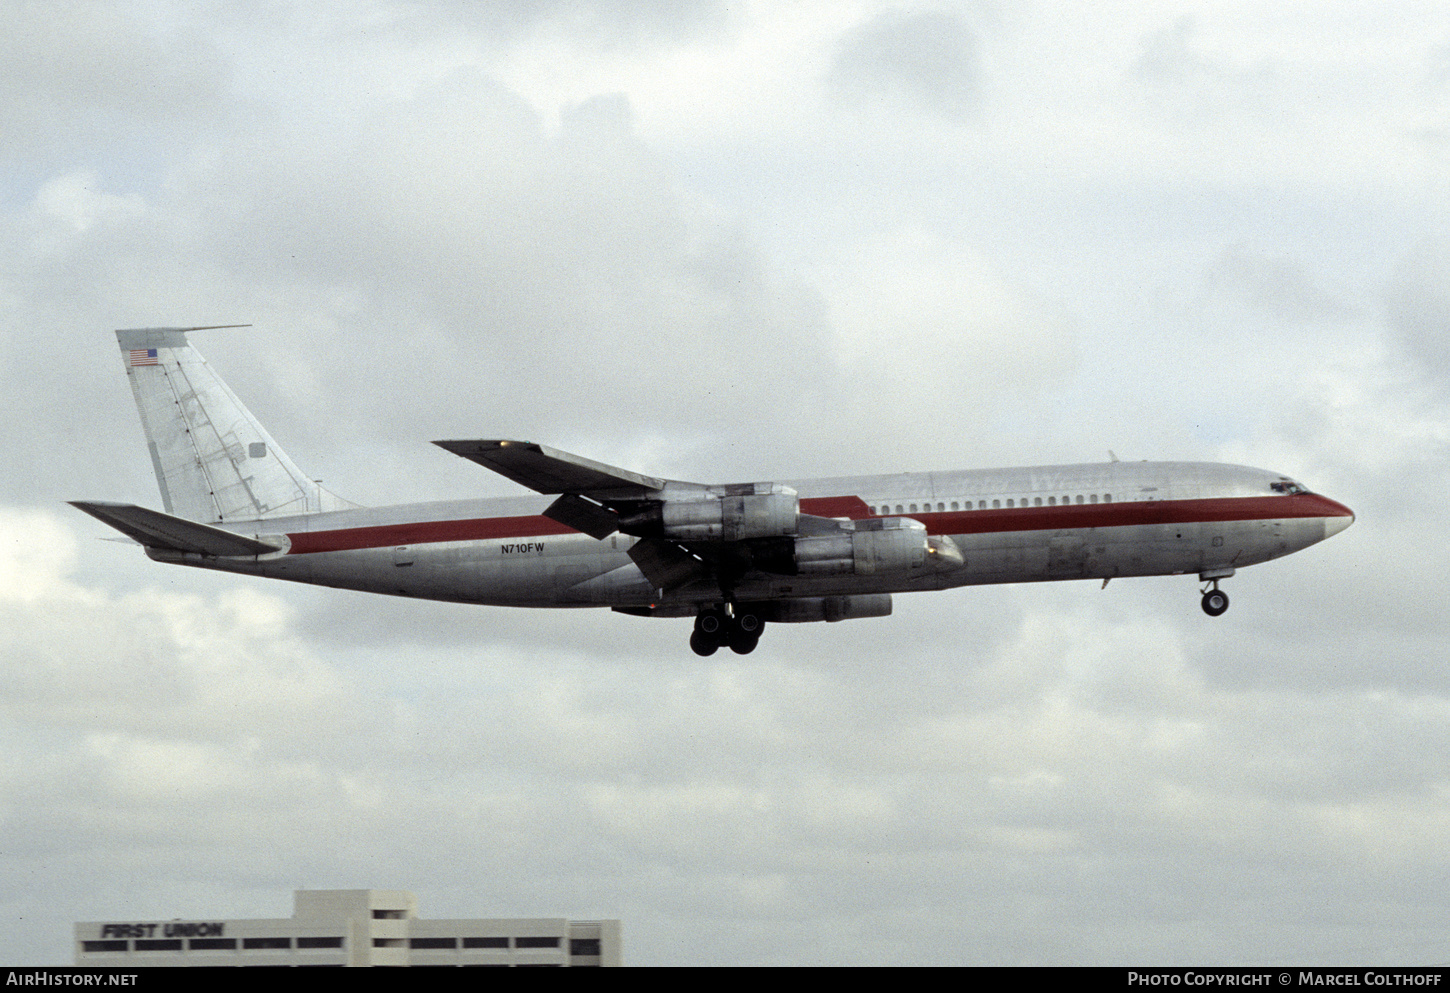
[548,470]
[599,500]
[176,534]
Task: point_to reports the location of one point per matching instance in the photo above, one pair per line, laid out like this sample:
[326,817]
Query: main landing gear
[738,628]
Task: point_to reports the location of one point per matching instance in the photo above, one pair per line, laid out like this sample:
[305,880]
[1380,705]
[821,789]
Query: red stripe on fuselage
[425,533]
[838,506]
[1109,515]
[1064,517]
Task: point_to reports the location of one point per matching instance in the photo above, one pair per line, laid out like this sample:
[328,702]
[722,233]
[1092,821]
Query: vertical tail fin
[213,460]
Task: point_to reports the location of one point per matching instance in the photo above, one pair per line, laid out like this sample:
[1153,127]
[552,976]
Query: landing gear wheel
[744,632]
[1215,602]
[712,629]
[742,643]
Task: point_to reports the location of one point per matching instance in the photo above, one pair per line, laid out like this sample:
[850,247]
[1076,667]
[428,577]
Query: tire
[1215,602]
[703,644]
[742,643]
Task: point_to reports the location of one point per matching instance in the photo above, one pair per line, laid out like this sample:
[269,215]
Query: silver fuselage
[1094,521]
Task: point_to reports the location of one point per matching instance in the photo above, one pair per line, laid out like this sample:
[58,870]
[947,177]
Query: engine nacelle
[880,544]
[759,510]
[824,608]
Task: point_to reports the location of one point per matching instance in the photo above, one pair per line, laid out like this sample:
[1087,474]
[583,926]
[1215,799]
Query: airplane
[734,557]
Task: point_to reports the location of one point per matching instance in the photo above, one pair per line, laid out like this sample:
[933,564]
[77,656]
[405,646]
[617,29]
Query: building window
[218,944]
[485,942]
[389,915]
[319,942]
[103,946]
[583,946]
[536,942]
[449,943]
[266,942]
[158,944]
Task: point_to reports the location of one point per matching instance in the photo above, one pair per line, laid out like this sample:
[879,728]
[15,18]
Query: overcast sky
[725,242]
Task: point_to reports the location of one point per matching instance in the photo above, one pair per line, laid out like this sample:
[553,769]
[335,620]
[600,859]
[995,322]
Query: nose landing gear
[1215,601]
[727,625]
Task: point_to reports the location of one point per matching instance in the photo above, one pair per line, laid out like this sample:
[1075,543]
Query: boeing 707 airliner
[733,556]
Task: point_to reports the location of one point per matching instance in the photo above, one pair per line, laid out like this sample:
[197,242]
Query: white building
[350,927]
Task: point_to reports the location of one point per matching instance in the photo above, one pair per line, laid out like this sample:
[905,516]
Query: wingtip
[474,445]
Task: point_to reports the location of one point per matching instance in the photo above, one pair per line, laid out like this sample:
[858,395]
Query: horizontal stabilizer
[157,530]
[548,470]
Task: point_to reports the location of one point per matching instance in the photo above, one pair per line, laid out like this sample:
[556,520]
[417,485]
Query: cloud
[608,23]
[1417,305]
[1278,287]
[1174,65]
[925,59]
[72,75]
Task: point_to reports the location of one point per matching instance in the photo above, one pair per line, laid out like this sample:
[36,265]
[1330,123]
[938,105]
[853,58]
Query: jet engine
[883,544]
[754,510]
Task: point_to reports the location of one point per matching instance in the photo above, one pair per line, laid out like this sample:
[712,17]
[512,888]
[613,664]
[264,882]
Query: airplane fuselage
[733,556]
[1091,521]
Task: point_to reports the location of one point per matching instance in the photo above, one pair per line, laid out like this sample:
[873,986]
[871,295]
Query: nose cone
[1337,518]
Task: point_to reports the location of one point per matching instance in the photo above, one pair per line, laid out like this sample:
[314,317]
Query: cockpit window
[1288,487]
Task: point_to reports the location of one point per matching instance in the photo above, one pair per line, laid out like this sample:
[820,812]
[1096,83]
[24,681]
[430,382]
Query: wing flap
[548,470]
[665,564]
[157,530]
[597,521]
